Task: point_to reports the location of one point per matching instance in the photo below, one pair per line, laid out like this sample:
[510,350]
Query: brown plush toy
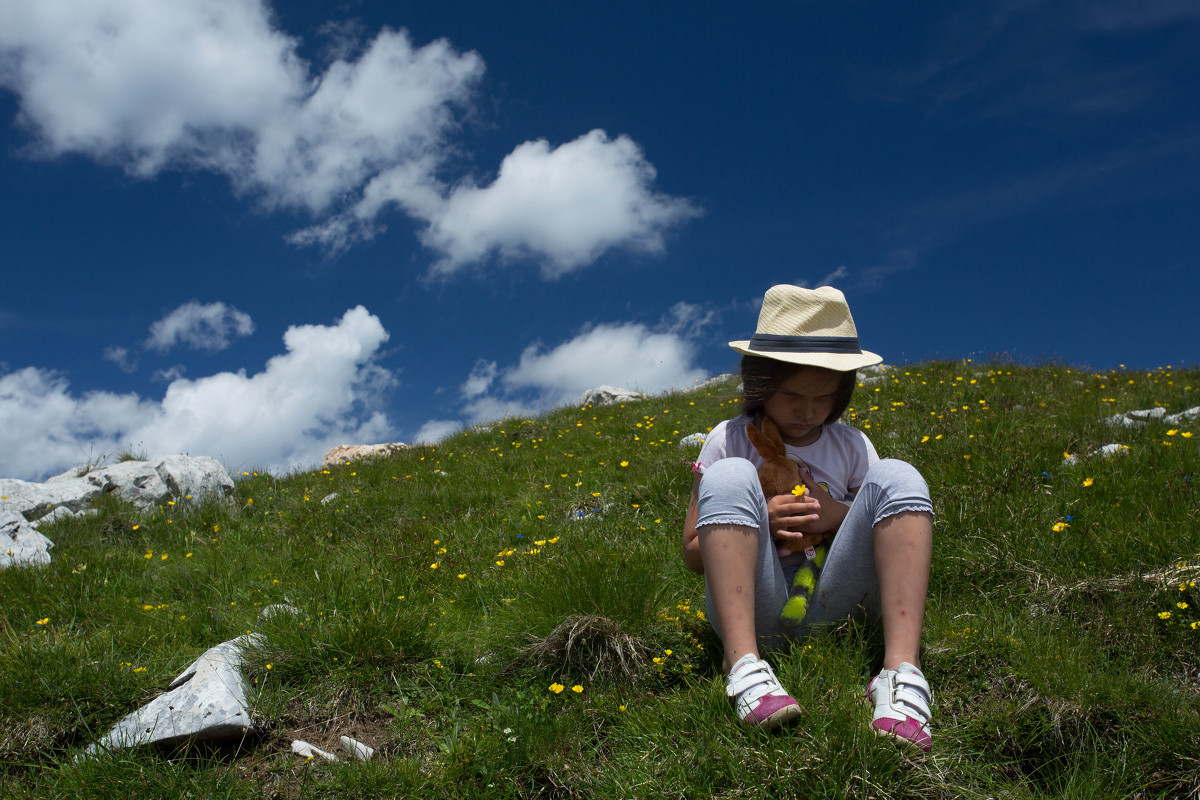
[778,474]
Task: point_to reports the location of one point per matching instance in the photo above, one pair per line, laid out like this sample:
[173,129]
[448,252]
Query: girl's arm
[691,540]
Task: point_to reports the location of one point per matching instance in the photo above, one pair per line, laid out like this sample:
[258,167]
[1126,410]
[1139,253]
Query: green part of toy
[805,579]
[795,609]
[819,558]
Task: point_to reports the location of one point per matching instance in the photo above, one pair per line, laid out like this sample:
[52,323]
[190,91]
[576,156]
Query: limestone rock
[206,702]
[20,544]
[1104,451]
[608,395]
[145,484]
[876,373]
[357,749]
[303,748]
[718,379]
[1132,419]
[693,440]
[344,453]
[278,608]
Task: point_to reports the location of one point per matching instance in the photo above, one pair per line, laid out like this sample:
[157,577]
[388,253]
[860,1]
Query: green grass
[445,590]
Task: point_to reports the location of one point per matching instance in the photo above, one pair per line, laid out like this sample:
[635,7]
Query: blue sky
[256,231]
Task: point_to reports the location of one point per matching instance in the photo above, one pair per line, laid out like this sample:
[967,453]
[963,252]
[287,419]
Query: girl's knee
[730,470]
[896,487]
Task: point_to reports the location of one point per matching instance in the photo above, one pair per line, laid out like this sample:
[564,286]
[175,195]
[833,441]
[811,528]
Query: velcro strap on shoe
[758,675]
[912,691]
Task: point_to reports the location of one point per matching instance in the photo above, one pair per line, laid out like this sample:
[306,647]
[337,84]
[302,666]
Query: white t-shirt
[839,459]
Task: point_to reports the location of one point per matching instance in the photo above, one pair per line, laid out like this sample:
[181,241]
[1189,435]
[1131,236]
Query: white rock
[303,748]
[329,498]
[608,395]
[20,544]
[728,376]
[206,702]
[344,453]
[357,749]
[1183,416]
[876,373]
[693,440]
[1110,450]
[1105,451]
[146,484]
[278,608]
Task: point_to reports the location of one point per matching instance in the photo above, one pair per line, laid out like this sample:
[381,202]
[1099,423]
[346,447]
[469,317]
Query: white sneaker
[759,697]
[902,698]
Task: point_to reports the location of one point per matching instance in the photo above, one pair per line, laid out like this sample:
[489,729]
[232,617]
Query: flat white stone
[357,749]
[206,702]
[303,748]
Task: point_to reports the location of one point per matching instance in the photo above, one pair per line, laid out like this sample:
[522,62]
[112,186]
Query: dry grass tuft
[592,646]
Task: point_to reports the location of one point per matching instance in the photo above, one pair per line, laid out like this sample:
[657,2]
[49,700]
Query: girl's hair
[762,377]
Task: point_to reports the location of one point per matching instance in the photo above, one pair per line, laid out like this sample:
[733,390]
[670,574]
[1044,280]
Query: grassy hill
[506,614]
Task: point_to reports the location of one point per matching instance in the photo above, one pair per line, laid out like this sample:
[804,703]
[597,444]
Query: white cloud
[120,356]
[563,206]
[201,326]
[480,379]
[213,85]
[628,354]
[323,390]
[436,430]
[830,279]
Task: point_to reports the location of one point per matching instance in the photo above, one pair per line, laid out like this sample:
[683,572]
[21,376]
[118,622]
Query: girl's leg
[744,587]
[878,564]
[730,555]
[903,549]
[744,583]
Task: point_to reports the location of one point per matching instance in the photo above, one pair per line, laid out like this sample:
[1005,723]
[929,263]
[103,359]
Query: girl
[799,370]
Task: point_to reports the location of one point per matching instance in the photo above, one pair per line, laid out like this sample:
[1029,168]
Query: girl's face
[802,404]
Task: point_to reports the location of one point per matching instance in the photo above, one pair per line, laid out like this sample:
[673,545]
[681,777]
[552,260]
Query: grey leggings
[848,588]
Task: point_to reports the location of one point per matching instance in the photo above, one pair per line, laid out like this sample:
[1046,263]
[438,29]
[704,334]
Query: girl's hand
[790,514]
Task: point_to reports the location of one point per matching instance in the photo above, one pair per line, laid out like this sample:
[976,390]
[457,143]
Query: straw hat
[807,326]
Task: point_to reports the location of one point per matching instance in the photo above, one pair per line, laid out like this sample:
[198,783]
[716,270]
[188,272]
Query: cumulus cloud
[480,379]
[200,326]
[631,355]
[214,85]
[324,389]
[562,206]
[436,430]
[121,357]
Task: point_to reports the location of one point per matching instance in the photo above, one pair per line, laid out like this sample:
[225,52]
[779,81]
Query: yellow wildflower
[556,687]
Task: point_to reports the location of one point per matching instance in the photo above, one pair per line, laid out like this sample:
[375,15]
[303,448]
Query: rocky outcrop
[345,453]
[20,543]
[608,395]
[145,484]
[1132,419]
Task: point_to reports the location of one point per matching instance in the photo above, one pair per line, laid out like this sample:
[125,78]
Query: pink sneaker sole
[771,712]
[908,731]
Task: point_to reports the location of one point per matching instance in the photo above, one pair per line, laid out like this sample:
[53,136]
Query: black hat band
[772,343]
